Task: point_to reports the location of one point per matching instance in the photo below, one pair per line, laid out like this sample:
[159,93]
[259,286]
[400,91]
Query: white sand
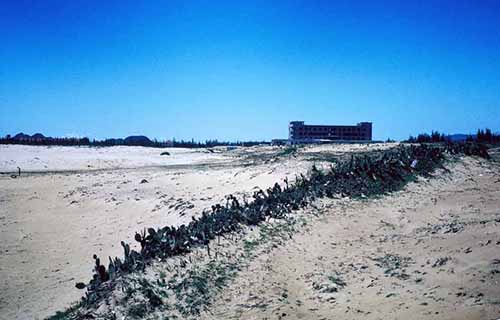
[53,158]
[448,229]
[53,221]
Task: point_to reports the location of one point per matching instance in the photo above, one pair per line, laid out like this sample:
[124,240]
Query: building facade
[299,132]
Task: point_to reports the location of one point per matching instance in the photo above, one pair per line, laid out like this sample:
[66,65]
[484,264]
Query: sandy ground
[72,202]
[442,234]
[57,159]
[430,251]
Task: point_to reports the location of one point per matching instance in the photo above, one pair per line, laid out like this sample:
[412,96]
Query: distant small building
[299,132]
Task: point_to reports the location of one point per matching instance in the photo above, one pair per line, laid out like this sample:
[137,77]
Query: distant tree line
[40,140]
[483,136]
[435,136]
[213,143]
[46,141]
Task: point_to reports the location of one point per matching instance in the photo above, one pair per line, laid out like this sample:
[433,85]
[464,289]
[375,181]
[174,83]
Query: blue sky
[241,70]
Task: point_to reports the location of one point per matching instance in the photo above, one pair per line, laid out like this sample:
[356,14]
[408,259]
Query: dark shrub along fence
[360,176]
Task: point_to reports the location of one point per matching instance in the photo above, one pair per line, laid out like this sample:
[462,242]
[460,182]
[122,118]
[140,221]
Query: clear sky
[240,70]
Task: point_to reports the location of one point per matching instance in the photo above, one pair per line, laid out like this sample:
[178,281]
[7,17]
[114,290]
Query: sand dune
[430,251]
[81,201]
[55,218]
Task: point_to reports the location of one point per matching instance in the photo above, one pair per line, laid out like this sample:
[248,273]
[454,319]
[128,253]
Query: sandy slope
[427,252]
[53,221]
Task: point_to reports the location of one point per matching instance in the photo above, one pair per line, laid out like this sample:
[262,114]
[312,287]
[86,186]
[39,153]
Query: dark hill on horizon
[21,135]
[38,136]
[459,137]
[138,141]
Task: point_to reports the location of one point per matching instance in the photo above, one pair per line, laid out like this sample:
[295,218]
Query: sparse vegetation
[360,176]
[333,284]
[288,151]
[394,265]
